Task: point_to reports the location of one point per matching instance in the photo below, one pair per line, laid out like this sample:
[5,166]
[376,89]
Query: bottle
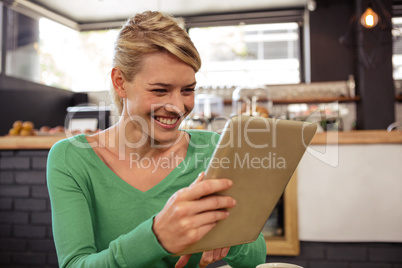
[351,86]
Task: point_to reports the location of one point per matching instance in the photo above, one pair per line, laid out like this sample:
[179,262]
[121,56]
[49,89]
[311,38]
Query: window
[248,54]
[43,51]
[46,52]
[80,61]
[22,57]
[397,48]
[1,37]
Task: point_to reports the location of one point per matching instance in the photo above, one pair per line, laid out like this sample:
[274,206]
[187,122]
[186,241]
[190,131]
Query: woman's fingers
[206,218]
[182,261]
[212,256]
[224,252]
[201,232]
[194,214]
[205,187]
[191,213]
[217,254]
[214,202]
[207,258]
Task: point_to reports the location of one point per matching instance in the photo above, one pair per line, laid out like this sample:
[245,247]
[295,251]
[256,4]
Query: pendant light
[369,18]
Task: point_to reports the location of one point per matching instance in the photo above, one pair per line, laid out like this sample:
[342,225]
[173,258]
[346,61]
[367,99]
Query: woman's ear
[118,82]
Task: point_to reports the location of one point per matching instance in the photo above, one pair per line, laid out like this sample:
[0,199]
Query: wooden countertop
[29,142]
[349,137]
[359,137]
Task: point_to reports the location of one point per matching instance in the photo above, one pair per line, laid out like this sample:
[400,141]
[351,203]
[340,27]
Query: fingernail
[230,182]
[234,202]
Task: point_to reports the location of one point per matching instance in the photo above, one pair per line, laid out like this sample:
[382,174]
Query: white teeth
[166,120]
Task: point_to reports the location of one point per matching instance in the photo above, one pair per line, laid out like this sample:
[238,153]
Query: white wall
[357,199]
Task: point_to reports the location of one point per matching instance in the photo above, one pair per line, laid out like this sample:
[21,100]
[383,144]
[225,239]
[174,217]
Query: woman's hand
[208,257]
[191,213]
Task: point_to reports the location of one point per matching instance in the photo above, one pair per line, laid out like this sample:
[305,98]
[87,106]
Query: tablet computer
[259,155]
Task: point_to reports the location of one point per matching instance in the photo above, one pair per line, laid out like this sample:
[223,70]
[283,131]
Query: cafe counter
[349,187]
[348,183]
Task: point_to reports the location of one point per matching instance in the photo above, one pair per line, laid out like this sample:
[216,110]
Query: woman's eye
[159,90]
[188,90]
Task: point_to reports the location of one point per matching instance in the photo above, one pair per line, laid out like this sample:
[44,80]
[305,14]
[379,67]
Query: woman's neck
[125,141]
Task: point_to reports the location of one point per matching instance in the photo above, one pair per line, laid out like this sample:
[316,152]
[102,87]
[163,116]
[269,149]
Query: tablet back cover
[259,155]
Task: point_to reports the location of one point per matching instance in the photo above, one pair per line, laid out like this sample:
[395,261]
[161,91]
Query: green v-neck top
[99,220]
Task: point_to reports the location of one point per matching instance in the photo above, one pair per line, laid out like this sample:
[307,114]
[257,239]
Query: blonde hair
[146,33]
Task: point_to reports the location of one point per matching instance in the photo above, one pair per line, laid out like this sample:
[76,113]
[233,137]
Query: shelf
[317,100]
[309,100]
[29,142]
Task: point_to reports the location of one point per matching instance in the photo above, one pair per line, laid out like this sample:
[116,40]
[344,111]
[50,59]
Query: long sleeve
[74,226]
[99,220]
[247,255]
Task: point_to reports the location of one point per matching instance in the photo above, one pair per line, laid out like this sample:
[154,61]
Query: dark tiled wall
[26,235]
[25,219]
[346,255]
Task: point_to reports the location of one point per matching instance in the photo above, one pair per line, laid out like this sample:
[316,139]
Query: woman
[129,196]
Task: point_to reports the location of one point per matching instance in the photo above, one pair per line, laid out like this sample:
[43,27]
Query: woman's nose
[175,104]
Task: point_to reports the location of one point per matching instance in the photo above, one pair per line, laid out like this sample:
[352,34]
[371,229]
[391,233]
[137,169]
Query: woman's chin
[168,138]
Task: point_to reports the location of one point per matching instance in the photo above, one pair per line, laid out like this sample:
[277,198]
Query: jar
[254,101]
[208,105]
[208,109]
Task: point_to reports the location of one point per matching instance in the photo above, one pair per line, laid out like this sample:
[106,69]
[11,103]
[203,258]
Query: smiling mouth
[166,121]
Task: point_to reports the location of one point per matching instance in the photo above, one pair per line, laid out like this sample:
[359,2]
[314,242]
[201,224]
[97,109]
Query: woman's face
[160,96]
